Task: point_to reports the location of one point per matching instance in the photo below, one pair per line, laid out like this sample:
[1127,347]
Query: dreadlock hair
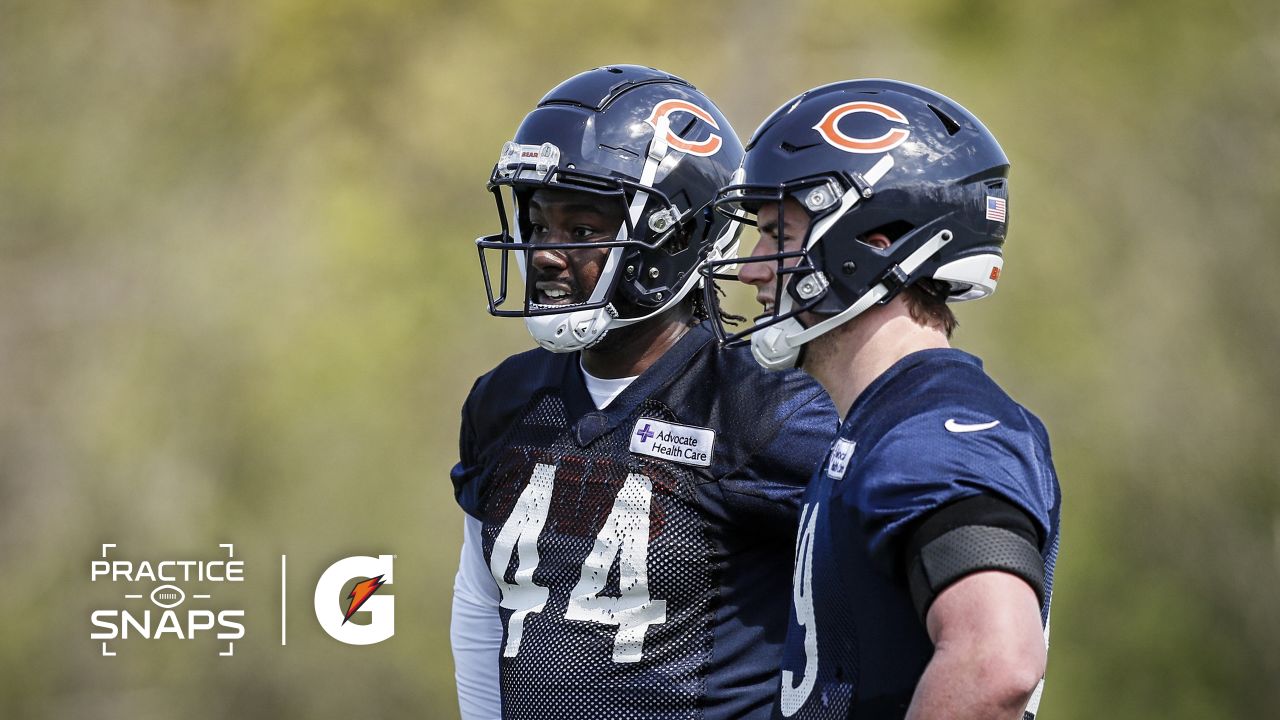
[697,302]
[701,312]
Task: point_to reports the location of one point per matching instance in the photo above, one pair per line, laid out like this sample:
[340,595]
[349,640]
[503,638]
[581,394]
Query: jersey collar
[588,423]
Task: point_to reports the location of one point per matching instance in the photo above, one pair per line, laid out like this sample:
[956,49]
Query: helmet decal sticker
[703,148]
[829,128]
[996,208]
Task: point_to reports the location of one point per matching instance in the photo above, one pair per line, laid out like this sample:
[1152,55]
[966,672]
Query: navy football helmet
[866,156]
[646,138]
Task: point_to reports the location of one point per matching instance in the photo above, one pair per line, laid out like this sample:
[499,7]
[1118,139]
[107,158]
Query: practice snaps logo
[166,617]
[334,610]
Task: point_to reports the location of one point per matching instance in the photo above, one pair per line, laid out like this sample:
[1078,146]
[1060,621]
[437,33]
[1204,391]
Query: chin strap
[571,331]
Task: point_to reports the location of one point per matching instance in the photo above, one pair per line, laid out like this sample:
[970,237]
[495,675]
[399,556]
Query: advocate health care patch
[678,443]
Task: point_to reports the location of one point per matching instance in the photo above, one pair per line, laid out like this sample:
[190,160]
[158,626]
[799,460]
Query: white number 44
[624,538]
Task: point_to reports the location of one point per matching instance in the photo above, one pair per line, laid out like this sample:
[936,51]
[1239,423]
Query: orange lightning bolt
[361,592]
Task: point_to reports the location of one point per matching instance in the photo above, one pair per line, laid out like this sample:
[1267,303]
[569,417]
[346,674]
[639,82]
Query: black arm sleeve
[975,534]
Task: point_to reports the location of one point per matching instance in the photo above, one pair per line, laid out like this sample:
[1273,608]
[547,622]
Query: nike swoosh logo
[956,427]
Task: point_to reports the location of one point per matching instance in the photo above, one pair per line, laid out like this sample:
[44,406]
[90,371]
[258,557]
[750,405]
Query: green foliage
[239,302]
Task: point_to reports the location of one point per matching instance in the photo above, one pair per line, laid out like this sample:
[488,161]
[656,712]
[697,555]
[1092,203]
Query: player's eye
[537,229]
[583,232]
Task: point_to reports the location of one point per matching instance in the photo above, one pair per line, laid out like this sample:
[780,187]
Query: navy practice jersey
[931,430]
[644,550]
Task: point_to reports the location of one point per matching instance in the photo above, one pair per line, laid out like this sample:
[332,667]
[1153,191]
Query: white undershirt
[604,390]
[475,631]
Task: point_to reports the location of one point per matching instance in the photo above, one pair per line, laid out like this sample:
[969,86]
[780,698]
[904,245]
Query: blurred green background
[239,303]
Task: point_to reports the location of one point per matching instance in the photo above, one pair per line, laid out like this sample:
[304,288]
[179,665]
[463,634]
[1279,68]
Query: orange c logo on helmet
[829,128]
[703,147]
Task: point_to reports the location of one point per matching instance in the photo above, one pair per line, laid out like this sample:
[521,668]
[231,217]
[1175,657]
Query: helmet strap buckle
[893,279]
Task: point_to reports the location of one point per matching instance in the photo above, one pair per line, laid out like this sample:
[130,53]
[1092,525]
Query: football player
[631,489]
[927,543]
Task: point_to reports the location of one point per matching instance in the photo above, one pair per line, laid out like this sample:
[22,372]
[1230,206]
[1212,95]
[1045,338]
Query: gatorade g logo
[829,128]
[334,608]
[701,148]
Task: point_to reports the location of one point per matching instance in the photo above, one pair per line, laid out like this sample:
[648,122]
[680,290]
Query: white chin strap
[777,347]
[571,331]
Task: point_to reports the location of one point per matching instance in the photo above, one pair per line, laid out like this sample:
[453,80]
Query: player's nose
[757,273]
[545,260]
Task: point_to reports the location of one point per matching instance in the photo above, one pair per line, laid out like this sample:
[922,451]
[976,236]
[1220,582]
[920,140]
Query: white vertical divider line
[283,590]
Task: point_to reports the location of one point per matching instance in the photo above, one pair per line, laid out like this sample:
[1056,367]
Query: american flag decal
[995,208]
